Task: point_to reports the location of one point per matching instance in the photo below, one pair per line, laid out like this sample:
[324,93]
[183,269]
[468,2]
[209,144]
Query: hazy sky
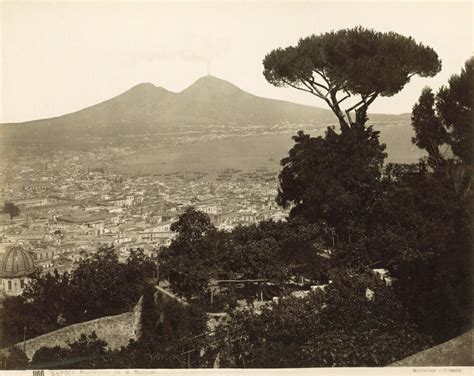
[62,56]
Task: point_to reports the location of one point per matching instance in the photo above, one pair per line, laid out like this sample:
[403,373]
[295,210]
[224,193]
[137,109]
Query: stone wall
[137,319]
[457,352]
[115,330]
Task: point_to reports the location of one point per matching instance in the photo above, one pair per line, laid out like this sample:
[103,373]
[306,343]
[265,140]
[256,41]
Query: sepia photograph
[248,186]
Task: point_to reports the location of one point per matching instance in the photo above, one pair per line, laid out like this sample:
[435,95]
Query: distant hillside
[146,108]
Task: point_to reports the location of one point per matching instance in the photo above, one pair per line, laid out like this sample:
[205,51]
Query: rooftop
[16,263]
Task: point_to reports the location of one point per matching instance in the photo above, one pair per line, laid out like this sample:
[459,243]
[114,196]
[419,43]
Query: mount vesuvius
[146,108]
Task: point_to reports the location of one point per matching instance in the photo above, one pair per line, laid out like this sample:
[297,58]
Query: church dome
[16,263]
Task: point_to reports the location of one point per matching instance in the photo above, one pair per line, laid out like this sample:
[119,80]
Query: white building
[208,209]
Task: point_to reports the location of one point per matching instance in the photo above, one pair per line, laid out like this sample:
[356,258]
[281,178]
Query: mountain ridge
[146,107]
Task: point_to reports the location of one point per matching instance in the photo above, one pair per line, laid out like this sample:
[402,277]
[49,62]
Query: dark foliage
[37,310]
[273,251]
[100,286]
[424,237]
[86,352]
[12,209]
[436,277]
[189,262]
[175,335]
[358,62]
[338,327]
[333,178]
[445,119]
[276,250]
[103,286]
[13,359]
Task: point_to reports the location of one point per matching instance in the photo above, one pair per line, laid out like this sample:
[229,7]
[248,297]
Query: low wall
[115,330]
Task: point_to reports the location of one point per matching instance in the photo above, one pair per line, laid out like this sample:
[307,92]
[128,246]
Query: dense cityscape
[67,210]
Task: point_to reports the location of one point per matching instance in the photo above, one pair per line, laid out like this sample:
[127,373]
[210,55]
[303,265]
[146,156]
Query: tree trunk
[345,127]
[361,116]
[333,103]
